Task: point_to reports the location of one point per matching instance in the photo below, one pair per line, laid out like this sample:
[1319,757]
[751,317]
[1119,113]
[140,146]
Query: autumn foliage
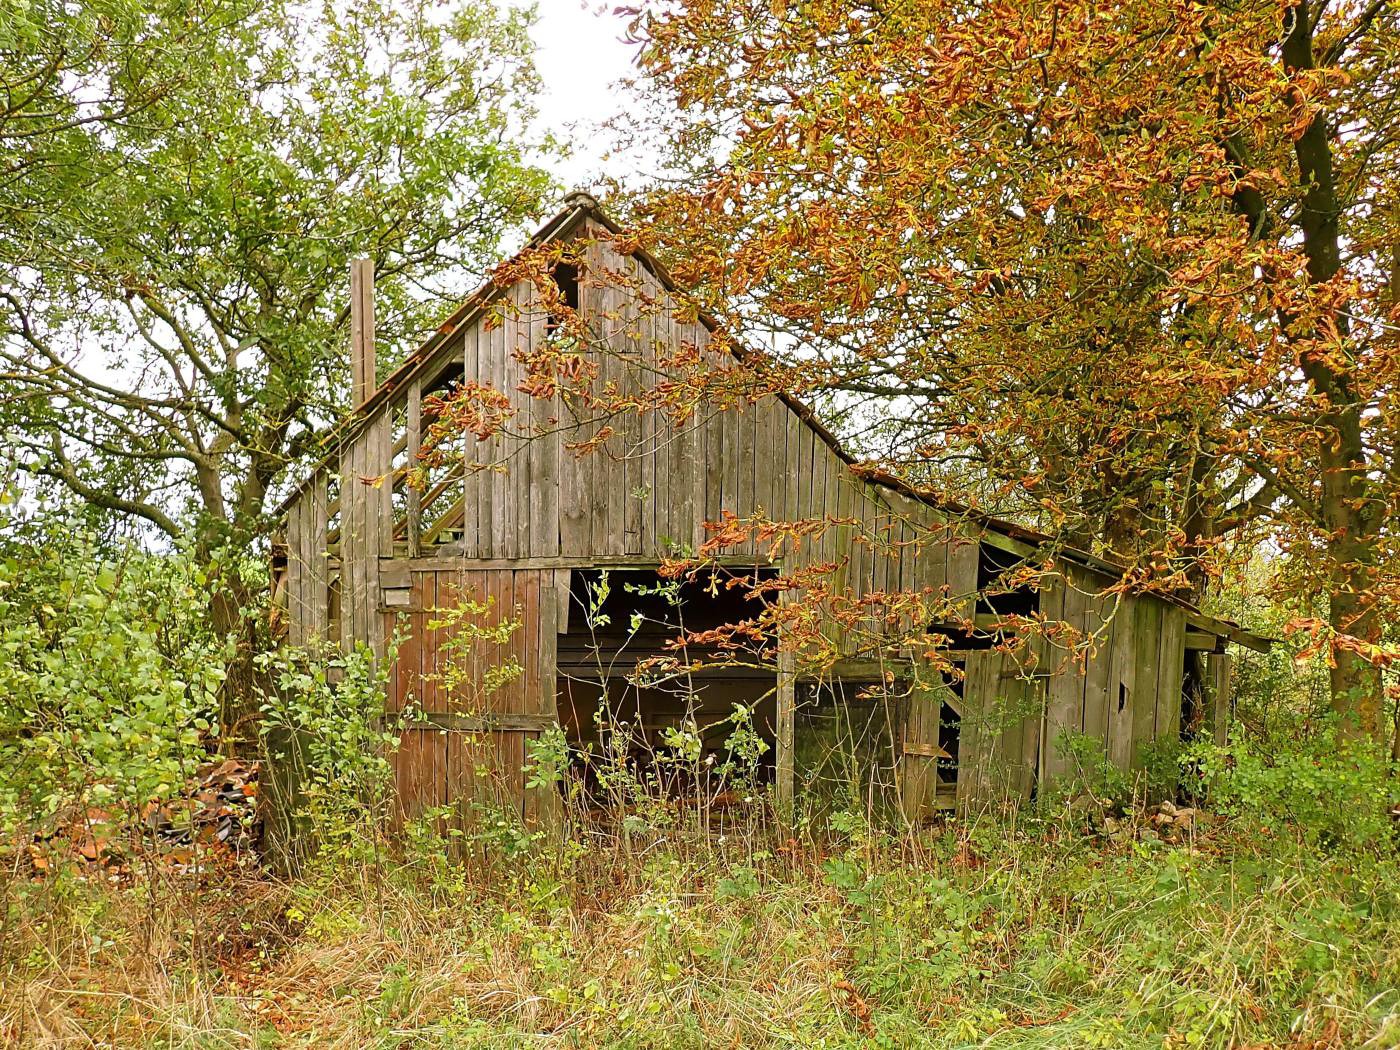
[1123,271]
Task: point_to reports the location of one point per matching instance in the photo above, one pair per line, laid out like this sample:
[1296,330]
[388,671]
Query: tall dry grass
[995,935]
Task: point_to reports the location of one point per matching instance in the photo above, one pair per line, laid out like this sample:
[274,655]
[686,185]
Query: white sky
[581,56]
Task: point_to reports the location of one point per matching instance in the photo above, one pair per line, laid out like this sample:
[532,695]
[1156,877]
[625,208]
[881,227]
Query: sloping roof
[579,206]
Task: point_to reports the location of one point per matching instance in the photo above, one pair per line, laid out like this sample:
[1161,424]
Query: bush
[1331,792]
[108,683]
[327,742]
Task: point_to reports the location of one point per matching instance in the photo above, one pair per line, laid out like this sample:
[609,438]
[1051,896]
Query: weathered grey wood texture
[525,503]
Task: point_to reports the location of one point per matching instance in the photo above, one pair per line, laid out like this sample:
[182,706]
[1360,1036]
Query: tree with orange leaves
[1132,266]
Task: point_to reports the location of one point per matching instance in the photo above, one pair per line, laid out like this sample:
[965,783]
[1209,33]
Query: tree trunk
[1347,503]
[1356,686]
[229,608]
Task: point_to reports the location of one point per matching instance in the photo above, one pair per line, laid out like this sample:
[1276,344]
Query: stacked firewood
[214,822]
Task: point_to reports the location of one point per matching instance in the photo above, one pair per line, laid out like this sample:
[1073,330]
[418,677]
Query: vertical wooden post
[414,510]
[362,329]
[1218,668]
[785,771]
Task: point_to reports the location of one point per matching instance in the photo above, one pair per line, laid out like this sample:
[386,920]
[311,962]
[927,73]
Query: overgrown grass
[978,936]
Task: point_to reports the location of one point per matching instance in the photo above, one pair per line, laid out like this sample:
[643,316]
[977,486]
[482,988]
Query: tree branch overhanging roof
[579,206]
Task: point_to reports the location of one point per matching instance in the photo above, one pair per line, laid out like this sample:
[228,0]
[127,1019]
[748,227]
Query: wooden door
[1000,733]
[933,700]
[475,672]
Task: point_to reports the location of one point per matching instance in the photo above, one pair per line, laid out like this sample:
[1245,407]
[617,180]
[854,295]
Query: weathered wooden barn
[525,526]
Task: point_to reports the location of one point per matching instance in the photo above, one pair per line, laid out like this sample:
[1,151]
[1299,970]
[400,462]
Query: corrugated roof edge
[579,205]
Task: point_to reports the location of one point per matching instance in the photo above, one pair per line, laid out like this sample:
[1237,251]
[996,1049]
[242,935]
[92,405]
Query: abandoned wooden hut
[527,528]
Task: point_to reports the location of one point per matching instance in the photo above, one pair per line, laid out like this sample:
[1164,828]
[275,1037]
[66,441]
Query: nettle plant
[108,684]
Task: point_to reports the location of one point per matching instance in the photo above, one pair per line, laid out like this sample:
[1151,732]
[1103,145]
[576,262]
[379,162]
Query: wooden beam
[923,750]
[604,561]
[362,369]
[1237,635]
[1204,641]
[414,498]
[785,773]
[1218,667]
[452,722]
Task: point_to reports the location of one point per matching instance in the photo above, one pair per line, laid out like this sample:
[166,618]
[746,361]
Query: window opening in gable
[566,280]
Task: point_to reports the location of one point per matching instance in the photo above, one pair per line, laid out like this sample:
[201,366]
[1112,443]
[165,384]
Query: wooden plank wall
[1002,719]
[366,524]
[308,575]
[468,745]
[653,483]
[1123,687]
[647,491]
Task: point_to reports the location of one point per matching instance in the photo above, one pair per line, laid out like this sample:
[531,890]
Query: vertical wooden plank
[962,571]
[1171,667]
[794,505]
[786,718]
[729,461]
[770,484]
[745,467]
[891,543]
[527,599]
[811,486]
[845,551]
[483,453]
[658,436]
[367,555]
[710,469]
[432,695]
[909,545]
[631,381]
[406,765]
[440,594]
[618,497]
[348,545]
[546,478]
[297,589]
[517,347]
[362,369]
[476,505]
[918,746]
[1098,623]
[872,569]
[1122,684]
[503,507]
[1218,670]
[350,549]
[413,496]
[602,490]
[931,566]
[1146,654]
[1064,709]
[763,459]
[836,548]
[496,596]
[1003,729]
[704,466]
[316,580]
[543,805]
[1035,691]
[381,526]
[460,759]
[295,540]
[848,551]
[575,507]
[983,758]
